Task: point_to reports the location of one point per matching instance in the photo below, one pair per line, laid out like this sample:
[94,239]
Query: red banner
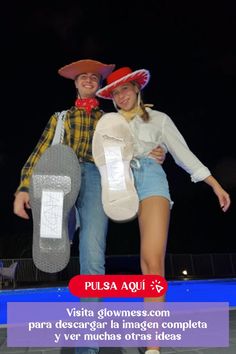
[118,286]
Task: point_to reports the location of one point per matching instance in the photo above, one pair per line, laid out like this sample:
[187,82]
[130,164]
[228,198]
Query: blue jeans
[93,224]
[92,221]
[86,350]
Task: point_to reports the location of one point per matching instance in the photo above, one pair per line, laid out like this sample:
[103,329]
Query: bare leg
[154,214]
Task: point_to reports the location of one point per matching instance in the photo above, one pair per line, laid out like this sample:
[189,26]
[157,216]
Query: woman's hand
[158,154]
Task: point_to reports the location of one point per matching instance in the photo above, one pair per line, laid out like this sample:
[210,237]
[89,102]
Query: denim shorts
[150,179]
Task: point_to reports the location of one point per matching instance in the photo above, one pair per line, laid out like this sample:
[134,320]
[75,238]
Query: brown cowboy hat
[76,68]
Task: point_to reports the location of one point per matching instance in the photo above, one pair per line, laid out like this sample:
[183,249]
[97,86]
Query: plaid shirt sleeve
[44,142]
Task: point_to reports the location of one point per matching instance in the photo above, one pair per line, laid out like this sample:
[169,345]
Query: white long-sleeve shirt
[161,130]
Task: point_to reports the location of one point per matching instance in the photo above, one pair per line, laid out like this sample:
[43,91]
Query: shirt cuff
[22,189]
[200,174]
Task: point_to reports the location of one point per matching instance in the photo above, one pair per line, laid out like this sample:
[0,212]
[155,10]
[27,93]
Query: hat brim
[72,70]
[141,76]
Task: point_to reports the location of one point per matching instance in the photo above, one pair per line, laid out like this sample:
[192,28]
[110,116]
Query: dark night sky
[189,47]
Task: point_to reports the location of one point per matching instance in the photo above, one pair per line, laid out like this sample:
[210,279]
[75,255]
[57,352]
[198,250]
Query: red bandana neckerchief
[87,103]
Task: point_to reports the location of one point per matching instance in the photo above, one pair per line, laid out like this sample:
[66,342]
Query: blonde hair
[145,116]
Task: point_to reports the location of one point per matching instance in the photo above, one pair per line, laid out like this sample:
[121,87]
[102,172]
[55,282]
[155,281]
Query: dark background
[189,47]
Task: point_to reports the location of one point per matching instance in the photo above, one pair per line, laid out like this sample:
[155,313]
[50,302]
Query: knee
[153,265]
[92,263]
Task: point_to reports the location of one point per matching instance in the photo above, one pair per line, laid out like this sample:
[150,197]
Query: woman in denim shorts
[151,128]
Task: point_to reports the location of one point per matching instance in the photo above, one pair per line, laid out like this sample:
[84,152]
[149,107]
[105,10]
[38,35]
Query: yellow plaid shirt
[79,128]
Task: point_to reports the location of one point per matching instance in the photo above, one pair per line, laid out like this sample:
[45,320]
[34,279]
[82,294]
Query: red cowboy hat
[72,70]
[122,76]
